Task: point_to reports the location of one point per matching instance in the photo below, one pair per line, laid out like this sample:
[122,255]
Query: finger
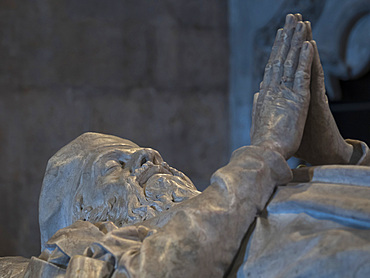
[302,78]
[316,63]
[298,16]
[308,30]
[268,68]
[317,75]
[255,99]
[278,64]
[291,61]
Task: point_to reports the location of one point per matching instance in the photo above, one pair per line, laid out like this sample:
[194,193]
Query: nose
[142,156]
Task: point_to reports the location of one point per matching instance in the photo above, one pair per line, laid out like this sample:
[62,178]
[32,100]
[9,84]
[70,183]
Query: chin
[169,188]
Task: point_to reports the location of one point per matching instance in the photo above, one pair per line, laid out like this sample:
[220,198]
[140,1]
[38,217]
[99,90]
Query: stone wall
[155,72]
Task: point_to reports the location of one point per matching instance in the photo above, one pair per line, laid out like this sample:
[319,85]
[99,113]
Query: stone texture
[314,228]
[68,67]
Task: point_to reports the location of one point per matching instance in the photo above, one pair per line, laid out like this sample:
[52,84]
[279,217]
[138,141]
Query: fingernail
[300,26]
[298,16]
[289,19]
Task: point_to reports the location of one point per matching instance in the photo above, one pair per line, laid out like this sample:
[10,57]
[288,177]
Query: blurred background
[177,76]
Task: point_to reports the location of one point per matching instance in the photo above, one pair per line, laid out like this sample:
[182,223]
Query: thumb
[317,76]
[255,98]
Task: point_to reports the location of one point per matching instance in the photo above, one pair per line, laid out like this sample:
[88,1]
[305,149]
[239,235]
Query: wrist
[271,145]
[342,153]
[337,153]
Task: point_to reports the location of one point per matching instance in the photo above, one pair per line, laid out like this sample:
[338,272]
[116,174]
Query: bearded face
[99,177]
[128,185]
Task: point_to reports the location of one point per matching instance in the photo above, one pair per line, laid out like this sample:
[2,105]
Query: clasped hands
[291,114]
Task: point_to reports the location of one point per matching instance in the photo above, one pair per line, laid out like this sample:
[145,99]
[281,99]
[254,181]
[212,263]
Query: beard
[135,201]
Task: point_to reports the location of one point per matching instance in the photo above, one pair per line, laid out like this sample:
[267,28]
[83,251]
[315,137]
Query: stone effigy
[109,208]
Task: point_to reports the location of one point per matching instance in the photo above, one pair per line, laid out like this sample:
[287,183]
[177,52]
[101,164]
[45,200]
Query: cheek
[106,200]
[109,204]
[115,176]
[113,183]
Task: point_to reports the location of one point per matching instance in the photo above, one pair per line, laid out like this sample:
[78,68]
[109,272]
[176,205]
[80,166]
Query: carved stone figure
[109,208]
[101,177]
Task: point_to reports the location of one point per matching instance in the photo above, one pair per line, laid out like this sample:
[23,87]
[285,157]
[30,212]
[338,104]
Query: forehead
[92,140]
[120,152]
[93,149]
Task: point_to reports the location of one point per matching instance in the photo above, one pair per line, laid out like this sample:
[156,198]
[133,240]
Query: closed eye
[111,165]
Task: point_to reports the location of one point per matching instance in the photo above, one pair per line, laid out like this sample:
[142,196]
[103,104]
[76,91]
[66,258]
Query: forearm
[202,239]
